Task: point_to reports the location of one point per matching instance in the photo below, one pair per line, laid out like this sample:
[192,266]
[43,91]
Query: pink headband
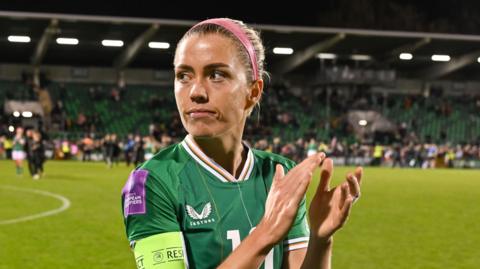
[238,32]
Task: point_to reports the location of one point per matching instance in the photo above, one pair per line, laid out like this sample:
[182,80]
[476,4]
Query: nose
[198,92]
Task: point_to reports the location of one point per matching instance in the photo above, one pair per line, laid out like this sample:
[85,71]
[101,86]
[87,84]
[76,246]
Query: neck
[227,151]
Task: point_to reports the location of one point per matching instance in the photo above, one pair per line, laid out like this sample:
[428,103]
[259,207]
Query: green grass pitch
[405,219]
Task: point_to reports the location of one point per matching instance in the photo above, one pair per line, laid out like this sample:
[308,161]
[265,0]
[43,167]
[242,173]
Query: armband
[161,251]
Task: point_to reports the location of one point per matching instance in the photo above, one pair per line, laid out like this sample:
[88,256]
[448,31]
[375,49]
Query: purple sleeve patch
[134,193]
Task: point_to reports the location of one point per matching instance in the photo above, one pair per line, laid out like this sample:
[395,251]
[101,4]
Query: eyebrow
[184,67]
[207,67]
[215,65]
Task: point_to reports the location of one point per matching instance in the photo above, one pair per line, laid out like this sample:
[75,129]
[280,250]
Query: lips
[198,113]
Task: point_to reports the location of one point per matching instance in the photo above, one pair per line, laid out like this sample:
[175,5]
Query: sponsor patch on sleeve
[134,193]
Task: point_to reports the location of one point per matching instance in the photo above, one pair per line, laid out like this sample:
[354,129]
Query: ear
[255,94]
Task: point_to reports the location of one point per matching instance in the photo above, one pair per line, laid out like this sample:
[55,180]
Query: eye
[183,76]
[217,75]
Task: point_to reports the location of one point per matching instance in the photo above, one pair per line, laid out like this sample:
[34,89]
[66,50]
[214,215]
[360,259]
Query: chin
[201,134]
[208,129]
[202,131]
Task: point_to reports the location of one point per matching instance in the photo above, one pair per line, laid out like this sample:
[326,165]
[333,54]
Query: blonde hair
[253,36]
[255,40]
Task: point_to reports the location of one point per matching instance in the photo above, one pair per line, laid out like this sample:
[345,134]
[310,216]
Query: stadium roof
[383,47]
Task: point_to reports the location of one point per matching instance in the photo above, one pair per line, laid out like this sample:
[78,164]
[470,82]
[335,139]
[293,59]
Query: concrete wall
[90,74]
[165,78]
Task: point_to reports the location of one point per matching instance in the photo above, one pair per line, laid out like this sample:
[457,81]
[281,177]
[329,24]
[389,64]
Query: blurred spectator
[115,95]
[138,151]
[128,149]
[87,146]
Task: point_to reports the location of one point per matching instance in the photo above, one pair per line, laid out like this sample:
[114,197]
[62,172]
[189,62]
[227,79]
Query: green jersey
[182,190]
[18,143]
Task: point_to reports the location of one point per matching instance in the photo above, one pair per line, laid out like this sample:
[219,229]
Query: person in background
[8,147]
[38,155]
[18,150]
[29,149]
[128,149]
[87,144]
[138,151]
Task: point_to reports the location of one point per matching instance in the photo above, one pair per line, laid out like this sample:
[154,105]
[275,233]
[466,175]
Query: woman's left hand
[329,209]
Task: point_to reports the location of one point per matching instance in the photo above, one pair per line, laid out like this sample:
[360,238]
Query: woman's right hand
[286,193]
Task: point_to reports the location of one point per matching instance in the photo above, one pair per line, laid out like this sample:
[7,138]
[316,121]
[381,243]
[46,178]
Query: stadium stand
[98,110]
[309,105]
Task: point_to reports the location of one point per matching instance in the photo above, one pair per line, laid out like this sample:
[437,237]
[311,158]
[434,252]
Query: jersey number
[234,235]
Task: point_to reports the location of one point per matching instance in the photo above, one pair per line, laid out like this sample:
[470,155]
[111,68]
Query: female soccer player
[18,153]
[211,201]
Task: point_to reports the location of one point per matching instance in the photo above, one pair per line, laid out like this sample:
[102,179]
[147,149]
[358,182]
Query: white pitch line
[64,200]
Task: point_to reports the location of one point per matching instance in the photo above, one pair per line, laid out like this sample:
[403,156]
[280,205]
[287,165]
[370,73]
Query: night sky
[409,15]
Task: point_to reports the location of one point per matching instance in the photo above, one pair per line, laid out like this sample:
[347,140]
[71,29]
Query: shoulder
[165,165]
[157,177]
[170,157]
[268,158]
